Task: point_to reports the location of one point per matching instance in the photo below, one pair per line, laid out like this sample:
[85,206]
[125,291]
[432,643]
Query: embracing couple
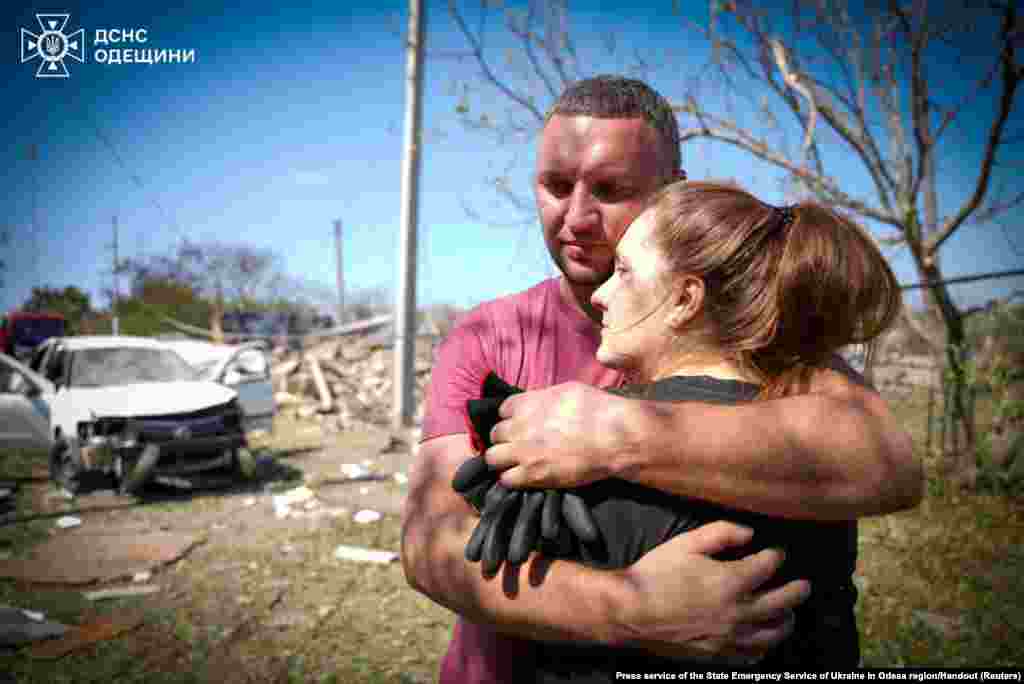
[682,378]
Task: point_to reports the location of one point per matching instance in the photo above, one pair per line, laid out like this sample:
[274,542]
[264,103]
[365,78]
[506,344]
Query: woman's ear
[687,302]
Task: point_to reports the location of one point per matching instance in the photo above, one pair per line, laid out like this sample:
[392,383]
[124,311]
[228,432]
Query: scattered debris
[366,516]
[345,382]
[19,626]
[324,611]
[364,490]
[361,555]
[100,629]
[143,576]
[283,502]
[122,592]
[294,496]
[401,478]
[66,521]
[355,471]
[249,501]
[99,556]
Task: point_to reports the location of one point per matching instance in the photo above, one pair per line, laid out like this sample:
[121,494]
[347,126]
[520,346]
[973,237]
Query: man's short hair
[618,97]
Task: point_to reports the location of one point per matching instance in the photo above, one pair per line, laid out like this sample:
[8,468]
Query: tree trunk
[217,318]
[960,461]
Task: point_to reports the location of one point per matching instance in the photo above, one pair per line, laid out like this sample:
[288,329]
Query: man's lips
[579,249]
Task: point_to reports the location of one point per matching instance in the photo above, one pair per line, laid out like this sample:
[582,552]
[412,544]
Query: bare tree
[796,89]
[222,273]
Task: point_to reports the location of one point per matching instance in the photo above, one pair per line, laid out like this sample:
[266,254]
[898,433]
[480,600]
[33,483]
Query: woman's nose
[597,299]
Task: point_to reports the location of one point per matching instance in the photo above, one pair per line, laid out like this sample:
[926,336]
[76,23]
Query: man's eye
[558,188]
[610,193]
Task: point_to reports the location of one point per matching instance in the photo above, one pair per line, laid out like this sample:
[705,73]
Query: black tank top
[634,519]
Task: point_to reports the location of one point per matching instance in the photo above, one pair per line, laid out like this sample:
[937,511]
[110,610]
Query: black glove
[513,523]
[490,540]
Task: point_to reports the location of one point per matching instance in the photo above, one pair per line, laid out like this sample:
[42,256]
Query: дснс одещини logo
[52,45]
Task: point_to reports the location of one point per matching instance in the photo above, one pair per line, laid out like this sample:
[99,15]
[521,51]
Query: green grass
[942,585]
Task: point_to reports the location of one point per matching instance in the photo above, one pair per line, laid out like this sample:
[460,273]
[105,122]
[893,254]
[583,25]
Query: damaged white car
[133,407]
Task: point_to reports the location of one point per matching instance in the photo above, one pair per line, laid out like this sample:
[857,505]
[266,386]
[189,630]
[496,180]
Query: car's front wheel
[131,473]
[66,465]
[243,463]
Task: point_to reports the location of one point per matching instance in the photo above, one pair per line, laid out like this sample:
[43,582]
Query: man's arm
[836,453]
[709,611]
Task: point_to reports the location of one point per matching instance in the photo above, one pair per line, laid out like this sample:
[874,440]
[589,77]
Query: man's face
[592,178]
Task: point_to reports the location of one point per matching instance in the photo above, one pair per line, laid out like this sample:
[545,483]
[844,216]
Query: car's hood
[150,399]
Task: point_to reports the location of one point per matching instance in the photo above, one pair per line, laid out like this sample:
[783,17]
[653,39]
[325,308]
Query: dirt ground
[260,596]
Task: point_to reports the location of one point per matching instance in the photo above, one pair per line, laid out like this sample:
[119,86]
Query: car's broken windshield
[127,366]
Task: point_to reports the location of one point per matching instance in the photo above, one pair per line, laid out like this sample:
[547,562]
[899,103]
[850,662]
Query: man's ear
[687,302]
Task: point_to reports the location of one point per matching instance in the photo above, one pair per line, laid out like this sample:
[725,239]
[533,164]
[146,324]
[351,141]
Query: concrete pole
[405,294]
[116,322]
[340,274]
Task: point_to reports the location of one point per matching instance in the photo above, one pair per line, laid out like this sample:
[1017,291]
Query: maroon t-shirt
[533,339]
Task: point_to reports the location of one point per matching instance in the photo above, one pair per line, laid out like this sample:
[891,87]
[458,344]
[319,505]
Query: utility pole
[405,294]
[33,156]
[115,319]
[340,273]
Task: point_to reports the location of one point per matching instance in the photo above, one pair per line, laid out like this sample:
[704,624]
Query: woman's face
[635,336]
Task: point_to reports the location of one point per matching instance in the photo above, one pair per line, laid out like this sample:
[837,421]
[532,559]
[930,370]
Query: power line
[964,279]
[135,178]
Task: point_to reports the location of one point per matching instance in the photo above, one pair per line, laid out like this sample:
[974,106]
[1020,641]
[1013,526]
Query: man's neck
[578,297]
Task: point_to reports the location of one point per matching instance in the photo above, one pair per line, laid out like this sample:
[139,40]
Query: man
[834,454]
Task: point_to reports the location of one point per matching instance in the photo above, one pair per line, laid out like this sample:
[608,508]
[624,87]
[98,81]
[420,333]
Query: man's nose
[582,212]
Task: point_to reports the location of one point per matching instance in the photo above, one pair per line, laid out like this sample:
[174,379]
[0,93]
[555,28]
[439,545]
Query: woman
[719,297]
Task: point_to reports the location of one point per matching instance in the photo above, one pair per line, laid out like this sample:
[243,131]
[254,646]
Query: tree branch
[1011,75]
[485,67]
[728,132]
[525,37]
[551,48]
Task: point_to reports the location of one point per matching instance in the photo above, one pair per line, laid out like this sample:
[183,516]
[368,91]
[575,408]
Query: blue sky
[291,118]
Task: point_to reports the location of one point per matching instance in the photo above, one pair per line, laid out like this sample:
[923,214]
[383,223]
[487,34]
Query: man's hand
[726,616]
[562,436]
